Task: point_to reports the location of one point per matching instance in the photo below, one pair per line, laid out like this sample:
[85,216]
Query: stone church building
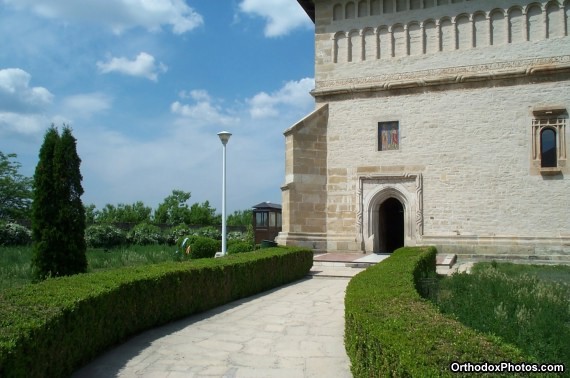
[436,122]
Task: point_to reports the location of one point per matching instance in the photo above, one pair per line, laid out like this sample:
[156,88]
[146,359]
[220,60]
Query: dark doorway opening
[391,225]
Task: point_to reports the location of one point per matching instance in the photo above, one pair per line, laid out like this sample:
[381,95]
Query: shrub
[204,247]
[249,234]
[240,247]
[391,331]
[196,247]
[209,232]
[175,233]
[14,234]
[104,236]
[98,310]
[145,234]
[236,236]
[246,236]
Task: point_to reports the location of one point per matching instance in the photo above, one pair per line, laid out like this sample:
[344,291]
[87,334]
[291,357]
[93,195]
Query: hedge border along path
[52,328]
[390,330]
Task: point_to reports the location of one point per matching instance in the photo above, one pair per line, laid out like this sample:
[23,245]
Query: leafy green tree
[174,209]
[124,213]
[204,215]
[15,190]
[58,215]
[240,218]
[108,214]
[91,214]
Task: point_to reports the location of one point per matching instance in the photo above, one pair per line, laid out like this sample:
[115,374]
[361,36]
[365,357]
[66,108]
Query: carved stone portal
[373,190]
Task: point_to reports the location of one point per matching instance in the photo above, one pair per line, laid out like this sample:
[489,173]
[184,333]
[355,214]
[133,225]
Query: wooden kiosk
[266,223]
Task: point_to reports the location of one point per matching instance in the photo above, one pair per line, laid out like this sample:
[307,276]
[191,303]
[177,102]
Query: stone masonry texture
[464,81]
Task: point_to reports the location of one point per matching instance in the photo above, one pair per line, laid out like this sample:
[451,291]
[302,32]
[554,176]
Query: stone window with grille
[549,140]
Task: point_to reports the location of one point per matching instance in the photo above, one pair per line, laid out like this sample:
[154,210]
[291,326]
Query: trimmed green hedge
[52,328]
[390,330]
[240,247]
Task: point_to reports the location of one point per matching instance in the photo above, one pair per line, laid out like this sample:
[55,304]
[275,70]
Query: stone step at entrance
[350,264]
[337,271]
[347,265]
[343,264]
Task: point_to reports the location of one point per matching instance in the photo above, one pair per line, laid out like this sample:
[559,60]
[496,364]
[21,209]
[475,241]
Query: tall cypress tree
[44,210]
[71,211]
[58,216]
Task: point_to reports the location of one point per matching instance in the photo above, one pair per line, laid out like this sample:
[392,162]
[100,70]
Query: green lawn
[15,269]
[525,305]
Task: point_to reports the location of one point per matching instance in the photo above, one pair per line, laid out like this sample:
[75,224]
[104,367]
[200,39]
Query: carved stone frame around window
[555,119]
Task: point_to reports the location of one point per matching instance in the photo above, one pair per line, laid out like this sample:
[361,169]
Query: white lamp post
[224,137]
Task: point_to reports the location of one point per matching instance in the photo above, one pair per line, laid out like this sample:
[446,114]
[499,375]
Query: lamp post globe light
[224,138]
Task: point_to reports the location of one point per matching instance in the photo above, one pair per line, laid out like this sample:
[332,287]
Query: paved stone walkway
[293,331]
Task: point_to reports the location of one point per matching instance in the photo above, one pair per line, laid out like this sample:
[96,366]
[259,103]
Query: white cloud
[196,94]
[203,110]
[118,15]
[13,124]
[86,104]
[282,16]
[17,96]
[21,105]
[293,93]
[143,65]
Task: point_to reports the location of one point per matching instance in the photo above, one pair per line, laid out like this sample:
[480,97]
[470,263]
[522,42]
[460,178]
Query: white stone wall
[462,80]
[473,147]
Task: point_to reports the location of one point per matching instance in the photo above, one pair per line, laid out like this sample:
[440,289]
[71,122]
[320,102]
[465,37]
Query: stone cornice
[442,76]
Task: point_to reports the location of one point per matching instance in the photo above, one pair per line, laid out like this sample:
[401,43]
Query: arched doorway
[407,190]
[391,225]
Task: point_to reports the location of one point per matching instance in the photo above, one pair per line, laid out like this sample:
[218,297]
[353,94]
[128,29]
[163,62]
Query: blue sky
[146,86]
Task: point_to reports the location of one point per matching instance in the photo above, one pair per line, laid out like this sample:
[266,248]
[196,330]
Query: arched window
[555,20]
[447,35]
[387,6]
[431,37]
[350,11]
[362,9]
[516,25]
[337,12]
[498,29]
[481,30]
[340,48]
[464,32]
[375,7]
[548,148]
[534,23]
[354,46]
